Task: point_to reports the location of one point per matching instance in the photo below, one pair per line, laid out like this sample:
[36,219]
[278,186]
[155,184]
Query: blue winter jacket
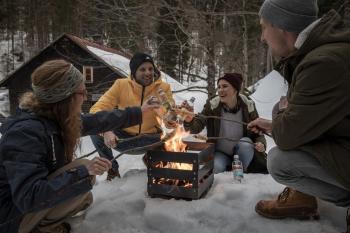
[31,148]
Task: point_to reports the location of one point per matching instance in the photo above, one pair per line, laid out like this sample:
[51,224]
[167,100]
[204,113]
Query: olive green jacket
[317,119]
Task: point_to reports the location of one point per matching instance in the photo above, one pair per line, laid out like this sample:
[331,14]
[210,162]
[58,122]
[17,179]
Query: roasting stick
[183,112]
[156,144]
[205,138]
[118,140]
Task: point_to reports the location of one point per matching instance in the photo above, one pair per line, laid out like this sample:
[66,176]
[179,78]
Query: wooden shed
[83,54]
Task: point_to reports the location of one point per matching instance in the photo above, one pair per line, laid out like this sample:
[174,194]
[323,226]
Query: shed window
[88,73]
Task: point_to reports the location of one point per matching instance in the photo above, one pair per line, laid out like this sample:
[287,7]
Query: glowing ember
[181,183]
[180,166]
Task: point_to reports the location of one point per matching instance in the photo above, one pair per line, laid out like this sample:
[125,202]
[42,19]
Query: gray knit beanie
[289,15]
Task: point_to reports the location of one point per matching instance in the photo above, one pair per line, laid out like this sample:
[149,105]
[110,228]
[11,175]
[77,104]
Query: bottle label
[238,173]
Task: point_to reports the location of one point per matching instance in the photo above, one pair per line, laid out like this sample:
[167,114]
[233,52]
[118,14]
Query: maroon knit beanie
[234,79]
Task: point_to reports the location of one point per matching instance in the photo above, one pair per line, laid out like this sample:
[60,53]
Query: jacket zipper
[54,160]
[143,92]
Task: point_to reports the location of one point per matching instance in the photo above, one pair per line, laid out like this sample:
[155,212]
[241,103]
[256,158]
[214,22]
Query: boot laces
[283,196]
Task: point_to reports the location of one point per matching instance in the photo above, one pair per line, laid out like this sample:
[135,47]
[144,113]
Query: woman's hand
[187,107]
[110,139]
[260,126]
[283,103]
[259,147]
[98,166]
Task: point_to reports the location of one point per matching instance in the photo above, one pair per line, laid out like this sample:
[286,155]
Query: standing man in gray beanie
[312,128]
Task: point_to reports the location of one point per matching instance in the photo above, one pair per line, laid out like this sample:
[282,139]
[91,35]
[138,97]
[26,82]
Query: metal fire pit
[185,184]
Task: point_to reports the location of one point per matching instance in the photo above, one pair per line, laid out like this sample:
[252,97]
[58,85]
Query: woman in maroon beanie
[229,104]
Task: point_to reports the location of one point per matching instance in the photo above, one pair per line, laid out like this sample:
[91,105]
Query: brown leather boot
[112,174]
[289,204]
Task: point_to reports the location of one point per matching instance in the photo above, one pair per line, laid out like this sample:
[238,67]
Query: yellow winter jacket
[126,92]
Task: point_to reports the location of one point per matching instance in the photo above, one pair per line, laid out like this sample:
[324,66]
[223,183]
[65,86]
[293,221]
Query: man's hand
[259,147]
[150,104]
[260,126]
[170,124]
[110,139]
[98,166]
[171,120]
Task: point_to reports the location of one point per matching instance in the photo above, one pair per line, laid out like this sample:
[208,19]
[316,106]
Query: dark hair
[235,79]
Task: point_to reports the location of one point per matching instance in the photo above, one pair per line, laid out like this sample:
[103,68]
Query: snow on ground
[124,206]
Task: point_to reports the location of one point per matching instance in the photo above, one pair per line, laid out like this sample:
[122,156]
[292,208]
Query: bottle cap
[236,157]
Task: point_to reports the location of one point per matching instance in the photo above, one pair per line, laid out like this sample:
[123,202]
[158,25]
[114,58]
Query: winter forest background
[190,39]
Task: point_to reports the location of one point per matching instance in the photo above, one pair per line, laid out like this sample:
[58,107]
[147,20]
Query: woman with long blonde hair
[41,182]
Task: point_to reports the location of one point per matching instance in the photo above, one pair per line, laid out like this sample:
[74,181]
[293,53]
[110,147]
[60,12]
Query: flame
[175,143]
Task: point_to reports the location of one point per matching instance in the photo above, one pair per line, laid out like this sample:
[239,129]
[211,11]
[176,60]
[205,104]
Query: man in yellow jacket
[144,82]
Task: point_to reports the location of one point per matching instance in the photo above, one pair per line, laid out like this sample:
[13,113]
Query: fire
[174,144]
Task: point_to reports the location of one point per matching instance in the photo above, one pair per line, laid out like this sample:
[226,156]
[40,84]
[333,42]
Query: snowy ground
[124,206]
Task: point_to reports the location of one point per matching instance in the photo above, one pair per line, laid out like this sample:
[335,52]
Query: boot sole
[311,216]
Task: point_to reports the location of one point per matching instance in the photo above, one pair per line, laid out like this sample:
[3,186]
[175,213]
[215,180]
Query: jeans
[301,171]
[107,153]
[244,148]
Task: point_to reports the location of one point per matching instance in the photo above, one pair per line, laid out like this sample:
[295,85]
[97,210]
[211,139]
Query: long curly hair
[63,112]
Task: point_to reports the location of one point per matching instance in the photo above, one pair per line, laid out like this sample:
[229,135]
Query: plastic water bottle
[237,169]
[191,102]
[181,116]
